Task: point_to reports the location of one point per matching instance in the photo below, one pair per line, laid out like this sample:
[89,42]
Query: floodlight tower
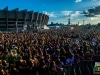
[83,22]
[69,19]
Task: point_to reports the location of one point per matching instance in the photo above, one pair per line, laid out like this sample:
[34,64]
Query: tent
[44,27]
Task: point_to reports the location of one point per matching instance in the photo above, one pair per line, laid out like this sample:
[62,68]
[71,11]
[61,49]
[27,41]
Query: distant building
[55,25]
[12,20]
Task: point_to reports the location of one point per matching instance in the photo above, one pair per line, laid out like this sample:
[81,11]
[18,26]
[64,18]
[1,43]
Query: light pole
[69,19]
[83,22]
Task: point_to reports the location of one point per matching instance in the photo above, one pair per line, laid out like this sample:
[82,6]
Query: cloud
[78,1]
[66,13]
[93,12]
[76,13]
[51,14]
[72,14]
[93,18]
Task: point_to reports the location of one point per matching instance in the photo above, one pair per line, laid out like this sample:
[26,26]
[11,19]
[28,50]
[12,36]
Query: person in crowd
[45,52]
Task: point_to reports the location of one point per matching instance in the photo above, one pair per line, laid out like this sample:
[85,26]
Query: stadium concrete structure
[11,20]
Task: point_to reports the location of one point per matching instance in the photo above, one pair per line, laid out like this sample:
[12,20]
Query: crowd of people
[45,52]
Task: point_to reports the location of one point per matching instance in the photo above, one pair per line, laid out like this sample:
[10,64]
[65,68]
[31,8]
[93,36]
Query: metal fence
[81,68]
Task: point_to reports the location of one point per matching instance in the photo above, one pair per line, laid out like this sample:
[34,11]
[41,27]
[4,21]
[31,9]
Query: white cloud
[98,15]
[78,1]
[93,18]
[99,3]
[71,13]
[51,14]
[66,13]
[77,13]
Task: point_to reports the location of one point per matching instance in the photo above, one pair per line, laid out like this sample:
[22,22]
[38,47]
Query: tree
[98,24]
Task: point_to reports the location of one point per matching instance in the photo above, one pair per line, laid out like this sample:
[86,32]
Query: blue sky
[56,9]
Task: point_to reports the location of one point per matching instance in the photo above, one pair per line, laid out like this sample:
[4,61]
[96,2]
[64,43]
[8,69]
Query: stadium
[11,20]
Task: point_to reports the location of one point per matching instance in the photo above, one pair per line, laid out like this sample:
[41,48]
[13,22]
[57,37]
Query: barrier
[81,68]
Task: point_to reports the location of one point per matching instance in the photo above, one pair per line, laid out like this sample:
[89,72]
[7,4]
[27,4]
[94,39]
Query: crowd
[45,52]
